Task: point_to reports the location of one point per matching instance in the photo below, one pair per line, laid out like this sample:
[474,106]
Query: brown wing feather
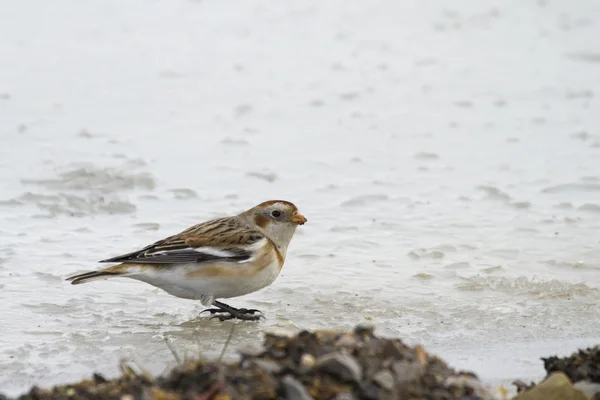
[230,234]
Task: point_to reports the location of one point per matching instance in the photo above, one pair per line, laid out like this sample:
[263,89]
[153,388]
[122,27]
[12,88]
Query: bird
[218,259]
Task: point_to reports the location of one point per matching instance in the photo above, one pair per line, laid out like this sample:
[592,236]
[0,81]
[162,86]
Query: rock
[346,340]
[252,349]
[470,384]
[98,378]
[307,361]
[522,386]
[556,387]
[396,351]
[340,365]
[406,371]
[421,355]
[279,333]
[589,388]
[384,379]
[294,390]
[364,329]
[268,365]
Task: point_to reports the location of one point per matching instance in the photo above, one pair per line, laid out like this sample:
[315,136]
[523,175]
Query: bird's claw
[245,314]
[244,317]
[239,310]
[249,311]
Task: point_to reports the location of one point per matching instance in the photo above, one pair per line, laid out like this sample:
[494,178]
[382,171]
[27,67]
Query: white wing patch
[203,250]
[215,252]
[255,248]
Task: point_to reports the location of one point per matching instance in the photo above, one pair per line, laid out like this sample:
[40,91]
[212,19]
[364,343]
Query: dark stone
[340,365]
[294,390]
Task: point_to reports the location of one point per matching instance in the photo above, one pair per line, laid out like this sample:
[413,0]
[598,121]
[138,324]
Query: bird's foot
[238,310]
[224,314]
[228,315]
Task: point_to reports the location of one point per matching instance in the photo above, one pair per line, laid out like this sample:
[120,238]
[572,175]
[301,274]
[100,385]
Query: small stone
[470,384]
[392,349]
[294,390]
[384,379]
[421,355]
[340,365]
[326,336]
[406,371]
[252,349]
[267,365]
[277,353]
[279,333]
[346,340]
[522,386]
[307,361]
[364,329]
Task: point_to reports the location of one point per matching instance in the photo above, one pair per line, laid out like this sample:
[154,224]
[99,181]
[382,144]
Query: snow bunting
[218,259]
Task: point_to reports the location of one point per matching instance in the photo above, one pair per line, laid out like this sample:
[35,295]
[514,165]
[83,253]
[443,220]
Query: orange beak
[298,219]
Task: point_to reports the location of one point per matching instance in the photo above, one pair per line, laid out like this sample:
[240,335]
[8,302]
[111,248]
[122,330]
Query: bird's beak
[298,219]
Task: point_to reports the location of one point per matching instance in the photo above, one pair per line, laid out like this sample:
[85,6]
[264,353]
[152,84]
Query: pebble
[98,378]
[384,379]
[341,365]
[406,371]
[252,349]
[279,333]
[307,361]
[346,340]
[471,382]
[294,390]
[364,329]
[267,365]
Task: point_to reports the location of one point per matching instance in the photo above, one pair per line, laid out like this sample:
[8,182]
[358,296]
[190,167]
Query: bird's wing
[224,239]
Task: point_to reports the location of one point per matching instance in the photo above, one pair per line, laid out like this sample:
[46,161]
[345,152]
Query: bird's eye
[276,213]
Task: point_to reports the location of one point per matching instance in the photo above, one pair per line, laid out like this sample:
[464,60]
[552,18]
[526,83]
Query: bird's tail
[95,275]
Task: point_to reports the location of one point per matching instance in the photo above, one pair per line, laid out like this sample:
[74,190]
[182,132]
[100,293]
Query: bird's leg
[233,313]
